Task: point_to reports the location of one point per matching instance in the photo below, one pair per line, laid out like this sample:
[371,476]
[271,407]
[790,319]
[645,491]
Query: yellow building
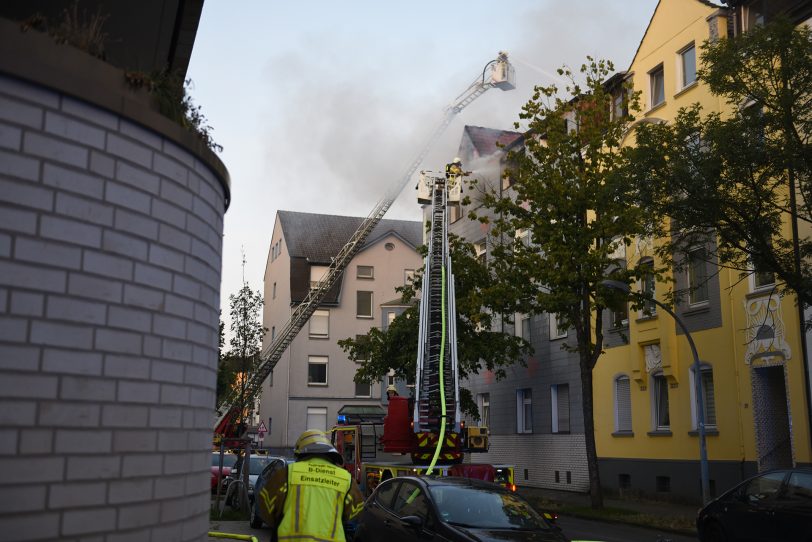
[747,337]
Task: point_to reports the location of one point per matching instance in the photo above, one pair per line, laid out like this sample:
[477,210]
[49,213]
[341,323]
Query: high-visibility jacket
[316,498]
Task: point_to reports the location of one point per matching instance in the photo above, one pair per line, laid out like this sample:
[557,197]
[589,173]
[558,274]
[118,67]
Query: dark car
[277,463]
[419,508]
[773,506]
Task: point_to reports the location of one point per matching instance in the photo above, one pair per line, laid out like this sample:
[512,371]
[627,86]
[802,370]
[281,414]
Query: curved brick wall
[110,255]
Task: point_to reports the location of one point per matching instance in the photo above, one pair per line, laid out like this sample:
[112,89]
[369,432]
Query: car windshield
[258,463]
[228,460]
[485,508]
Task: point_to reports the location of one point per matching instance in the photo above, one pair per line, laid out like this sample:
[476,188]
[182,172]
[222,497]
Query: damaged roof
[487,141]
[320,237]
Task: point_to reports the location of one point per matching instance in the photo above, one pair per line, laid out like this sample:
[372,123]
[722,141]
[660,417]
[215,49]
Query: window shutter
[563,407]
[623,404]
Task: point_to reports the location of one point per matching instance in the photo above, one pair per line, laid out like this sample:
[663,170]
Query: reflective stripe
[335,514]
[298,503]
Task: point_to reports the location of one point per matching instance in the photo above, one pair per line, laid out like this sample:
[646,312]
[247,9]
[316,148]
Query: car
[257,464]
[413,508]
[228,462]
[773,506]
[255,520]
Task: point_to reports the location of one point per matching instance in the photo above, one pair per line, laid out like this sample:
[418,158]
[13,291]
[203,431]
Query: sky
[320,105]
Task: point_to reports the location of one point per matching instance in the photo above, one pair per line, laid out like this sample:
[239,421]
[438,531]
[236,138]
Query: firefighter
[391,391]
[312,498]
[454,169]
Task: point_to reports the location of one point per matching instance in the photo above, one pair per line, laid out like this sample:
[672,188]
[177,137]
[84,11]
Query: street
[576,529]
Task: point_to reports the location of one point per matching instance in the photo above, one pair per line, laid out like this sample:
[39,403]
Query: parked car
[773,506]
[277,463]
[228,462]
[257,463]
[458,509]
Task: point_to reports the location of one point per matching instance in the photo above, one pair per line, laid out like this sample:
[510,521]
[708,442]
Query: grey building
[534,416]
[314,378]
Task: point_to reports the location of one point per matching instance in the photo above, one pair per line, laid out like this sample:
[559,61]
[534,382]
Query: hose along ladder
[501,76]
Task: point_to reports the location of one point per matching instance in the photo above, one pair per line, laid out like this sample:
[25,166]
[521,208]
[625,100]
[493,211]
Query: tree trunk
[595,493]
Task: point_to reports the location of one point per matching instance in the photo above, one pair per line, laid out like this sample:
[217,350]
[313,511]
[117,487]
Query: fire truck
[427,428]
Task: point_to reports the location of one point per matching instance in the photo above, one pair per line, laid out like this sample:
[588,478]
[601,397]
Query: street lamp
[700,399]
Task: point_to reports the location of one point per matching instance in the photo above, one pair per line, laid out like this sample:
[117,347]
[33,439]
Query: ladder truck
[426,427]
[498,73]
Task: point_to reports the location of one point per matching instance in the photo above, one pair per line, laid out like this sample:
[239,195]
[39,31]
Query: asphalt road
[584,529]
[577,529]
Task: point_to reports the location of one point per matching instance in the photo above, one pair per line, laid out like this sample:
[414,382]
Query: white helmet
[456,160]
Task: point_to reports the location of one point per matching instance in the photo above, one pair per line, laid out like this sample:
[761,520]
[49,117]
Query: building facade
[314,378]
[533,415]
[748,337]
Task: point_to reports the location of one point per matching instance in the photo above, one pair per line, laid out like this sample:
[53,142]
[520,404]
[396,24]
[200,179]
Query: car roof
[432,481]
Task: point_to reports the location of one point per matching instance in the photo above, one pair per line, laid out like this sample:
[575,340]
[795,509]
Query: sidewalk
[681,515]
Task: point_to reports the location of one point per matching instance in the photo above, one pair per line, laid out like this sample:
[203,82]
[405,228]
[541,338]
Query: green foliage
[242,359]
[82,30]
[478,348]
[731,174]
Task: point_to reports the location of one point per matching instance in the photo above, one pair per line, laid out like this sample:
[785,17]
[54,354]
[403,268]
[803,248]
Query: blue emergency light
[342,419]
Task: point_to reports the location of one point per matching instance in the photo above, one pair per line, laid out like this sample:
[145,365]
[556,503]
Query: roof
[318,238]
[487,141]
[398,303]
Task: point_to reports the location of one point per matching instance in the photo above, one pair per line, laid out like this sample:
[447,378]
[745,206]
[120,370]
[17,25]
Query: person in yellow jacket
[312,498]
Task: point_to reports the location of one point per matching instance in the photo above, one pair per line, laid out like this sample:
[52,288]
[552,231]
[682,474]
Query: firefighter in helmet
[454,169]
[312,498]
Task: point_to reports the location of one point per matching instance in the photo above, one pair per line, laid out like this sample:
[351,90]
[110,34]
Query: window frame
[314,283]
[697,284]
[358,304]
[314,413]
[652,74]
[361,276]
[555,329]
[355,390]
[317,360]
[708,394]
[310,321]
[618,413]
[484,404]
[659,384]
[408,276]
[556,418]
[524,399]
[648,283]
[681,54]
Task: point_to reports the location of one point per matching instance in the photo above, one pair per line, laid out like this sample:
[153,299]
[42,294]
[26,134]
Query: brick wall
[110,255]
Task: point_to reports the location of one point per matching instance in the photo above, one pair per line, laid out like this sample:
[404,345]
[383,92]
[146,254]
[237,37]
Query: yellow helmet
[313,442]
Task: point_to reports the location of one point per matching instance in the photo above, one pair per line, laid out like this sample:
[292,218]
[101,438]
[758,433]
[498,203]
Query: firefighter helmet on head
[315,442]
[456,160]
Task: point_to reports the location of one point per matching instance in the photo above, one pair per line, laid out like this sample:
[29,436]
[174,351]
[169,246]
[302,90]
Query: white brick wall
[110,245]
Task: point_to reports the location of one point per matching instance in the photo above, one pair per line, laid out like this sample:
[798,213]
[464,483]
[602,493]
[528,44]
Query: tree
[478,347]
[571,196]
[246,340]
[745,175]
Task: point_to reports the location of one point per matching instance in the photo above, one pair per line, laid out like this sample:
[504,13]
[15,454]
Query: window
[708,397]
[360,338]
[481,251]
[620,316]
[800,486]
[763,279]
[363,389]
[320,324]
[657,89]
[560,396]
[317,370]
[363,304]
[316,418]
[522,326]
[659,387]
[484,404]
[317,273]
[390,317]
[623,405]
[408,276]
[524,411]
[688,65]
[411,501]
[273,333]
[619,105]
[647,287]
[557,329]
[523,237]
[390,378]
[365,272]
[386,493]
[273,295]
[697,276]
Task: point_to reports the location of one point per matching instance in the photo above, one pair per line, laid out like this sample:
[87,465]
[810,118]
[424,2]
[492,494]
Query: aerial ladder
[498,73]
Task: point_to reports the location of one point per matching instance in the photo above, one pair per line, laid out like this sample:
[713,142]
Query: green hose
[442,380]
